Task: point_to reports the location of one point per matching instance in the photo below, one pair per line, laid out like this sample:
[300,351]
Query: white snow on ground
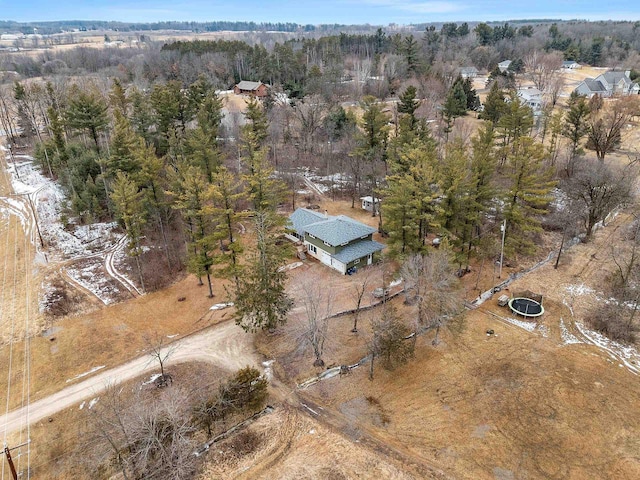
[221,306]
[568,338]
[93,370]
[152,379]
[628,355]
[72,242]
[544,331]
[173,336]
[268,371]
[290,266]
[82,405]
[528,326]
[395,283]
[93,402]
[90,275]
[578,290]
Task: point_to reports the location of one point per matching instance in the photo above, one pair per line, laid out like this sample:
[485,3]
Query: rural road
[224,345]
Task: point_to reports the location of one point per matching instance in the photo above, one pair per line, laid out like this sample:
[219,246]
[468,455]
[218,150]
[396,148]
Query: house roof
[358,250]
[594,85]
[529,92]
[247,85]
[303,217]
[615,77]
[566,63]
[338,230]
[468,70]
[505,63]
[369,198]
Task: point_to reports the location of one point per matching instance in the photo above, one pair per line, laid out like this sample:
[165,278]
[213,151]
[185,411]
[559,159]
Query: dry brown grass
[113,334]
[289,445]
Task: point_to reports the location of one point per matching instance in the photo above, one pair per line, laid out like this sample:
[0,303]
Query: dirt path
[224,345]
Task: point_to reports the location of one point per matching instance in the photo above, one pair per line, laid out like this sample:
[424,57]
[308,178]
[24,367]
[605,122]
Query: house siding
[320,244]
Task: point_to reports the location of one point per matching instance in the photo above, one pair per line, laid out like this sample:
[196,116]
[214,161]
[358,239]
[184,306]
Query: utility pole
[35,217]
[503,229]
[13,160]
[7,453]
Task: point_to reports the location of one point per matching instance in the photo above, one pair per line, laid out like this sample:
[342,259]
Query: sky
[377,12]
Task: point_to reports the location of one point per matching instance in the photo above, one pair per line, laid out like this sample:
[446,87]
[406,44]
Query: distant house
[340,242]
[571,65]
[255,89]
[607,84]
[468,72]
[532,97]
[504,65]
[367,203]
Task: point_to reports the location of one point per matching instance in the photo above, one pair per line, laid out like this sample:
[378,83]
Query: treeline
[380,61]
[53,27]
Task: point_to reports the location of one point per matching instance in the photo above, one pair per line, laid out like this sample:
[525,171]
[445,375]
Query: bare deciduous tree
[318,305]
[431,284]
[357,295]
[541,68]
[597,189]
[159,350]
[605,127]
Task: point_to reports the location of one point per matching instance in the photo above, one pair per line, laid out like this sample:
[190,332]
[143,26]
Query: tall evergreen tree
[527,194]
[409,104]
[87,112]
[127,200]
[192,201]
[576,126]
[260,298]
[495,105]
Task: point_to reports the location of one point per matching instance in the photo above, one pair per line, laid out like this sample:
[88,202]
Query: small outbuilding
[255,89]
[368,204]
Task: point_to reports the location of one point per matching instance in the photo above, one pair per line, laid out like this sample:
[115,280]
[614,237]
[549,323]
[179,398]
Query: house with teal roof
[339,242]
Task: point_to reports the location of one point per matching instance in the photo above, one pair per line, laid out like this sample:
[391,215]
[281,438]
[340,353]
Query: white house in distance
[340,242]
[504,65]
[607,84]
[571,65]
[532,97]
[468,72]
[367,203]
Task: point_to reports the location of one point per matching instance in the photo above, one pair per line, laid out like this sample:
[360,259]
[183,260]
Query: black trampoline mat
[525,306]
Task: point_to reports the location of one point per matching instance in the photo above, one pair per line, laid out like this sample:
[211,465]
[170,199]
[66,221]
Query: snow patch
[568,338]
[93,402]
[82,405]
[628,355]
[221,306]
[93,370]
[152,379]
[268,371]
[528,326]
[578,290]
[289,266]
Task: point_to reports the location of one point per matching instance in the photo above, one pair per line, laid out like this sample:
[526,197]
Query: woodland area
[144,136]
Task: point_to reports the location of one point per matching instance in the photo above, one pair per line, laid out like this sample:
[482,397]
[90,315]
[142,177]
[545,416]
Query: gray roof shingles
[338,230]
[358,250]
[247,85]
[594,85]
[303,217]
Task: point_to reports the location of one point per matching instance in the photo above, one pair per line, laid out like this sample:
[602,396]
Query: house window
[312,248]
[355,262]
[327,244]
[310,236]
[363,238]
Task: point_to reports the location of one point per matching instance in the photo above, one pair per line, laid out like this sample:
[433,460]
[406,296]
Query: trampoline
[526,307]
